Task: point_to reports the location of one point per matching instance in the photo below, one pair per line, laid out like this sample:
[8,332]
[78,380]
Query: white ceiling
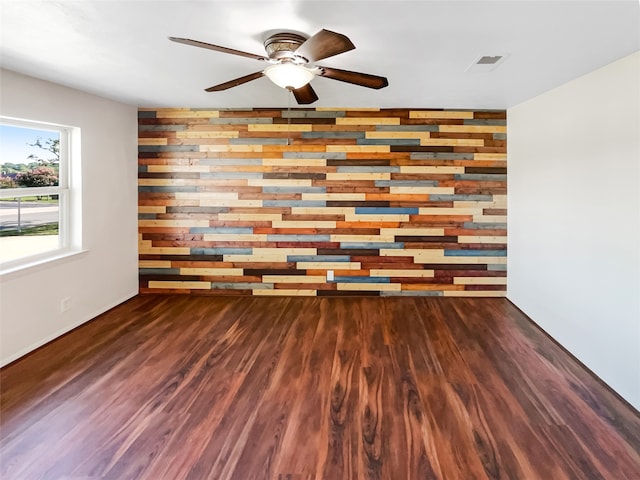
[120,50]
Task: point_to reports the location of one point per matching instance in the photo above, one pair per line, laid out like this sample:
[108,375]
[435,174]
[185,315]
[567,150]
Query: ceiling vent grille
[486,60]
[485,63]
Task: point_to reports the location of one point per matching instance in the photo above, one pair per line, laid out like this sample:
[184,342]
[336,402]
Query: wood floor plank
[409,449]
[339,449]
[308,419]
[258,361]
[184,387]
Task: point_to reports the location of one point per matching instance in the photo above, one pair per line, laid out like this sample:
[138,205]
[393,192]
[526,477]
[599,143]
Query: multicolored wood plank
[392,202]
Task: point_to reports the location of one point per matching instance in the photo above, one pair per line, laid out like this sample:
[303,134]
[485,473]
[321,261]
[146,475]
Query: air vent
[485,63]
[489,60]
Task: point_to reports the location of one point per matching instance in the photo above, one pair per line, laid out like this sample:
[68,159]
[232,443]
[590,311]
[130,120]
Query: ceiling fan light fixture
[289,75]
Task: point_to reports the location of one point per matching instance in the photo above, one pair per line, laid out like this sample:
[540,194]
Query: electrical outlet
[330,276]
[65,304]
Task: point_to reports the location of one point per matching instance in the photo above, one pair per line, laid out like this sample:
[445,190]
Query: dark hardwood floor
[179,387]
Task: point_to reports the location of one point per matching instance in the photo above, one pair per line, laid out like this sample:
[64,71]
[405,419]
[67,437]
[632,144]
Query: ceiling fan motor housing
[282,46]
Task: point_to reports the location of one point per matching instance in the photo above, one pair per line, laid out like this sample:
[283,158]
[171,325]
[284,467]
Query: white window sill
[28,266]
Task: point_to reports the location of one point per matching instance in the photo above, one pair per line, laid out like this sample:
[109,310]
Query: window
[35,193]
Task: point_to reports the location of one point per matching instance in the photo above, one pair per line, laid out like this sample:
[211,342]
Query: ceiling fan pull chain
[288,116]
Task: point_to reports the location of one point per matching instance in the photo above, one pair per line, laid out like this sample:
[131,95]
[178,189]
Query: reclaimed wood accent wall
[273,201]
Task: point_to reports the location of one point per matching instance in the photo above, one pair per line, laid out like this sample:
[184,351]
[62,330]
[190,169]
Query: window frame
[67,191]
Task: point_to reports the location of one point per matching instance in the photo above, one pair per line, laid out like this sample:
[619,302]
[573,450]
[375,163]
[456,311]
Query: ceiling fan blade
[235,82]
[356,78]
[217,48]
[324,44]
[305,94]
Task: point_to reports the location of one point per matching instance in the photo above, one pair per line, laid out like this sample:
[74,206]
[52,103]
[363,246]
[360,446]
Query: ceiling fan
[291,59]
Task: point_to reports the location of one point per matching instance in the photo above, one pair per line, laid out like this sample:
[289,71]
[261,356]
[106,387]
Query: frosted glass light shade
[288,75]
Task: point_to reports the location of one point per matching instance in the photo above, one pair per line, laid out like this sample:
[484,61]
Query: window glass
[33,190]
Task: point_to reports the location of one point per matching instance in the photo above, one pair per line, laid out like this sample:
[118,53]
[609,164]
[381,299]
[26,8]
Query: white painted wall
[107,273]
[574,219]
